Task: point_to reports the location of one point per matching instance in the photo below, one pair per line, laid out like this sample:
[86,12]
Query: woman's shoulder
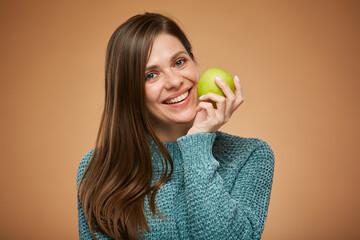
[234,145]
[223,138]
[83,165]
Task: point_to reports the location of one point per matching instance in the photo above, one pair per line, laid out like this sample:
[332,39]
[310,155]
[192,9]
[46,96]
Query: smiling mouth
[179,98]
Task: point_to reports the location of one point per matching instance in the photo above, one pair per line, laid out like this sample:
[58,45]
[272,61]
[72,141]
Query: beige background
[299,62]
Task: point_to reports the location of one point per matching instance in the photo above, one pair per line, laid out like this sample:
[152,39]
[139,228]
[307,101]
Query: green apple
[207,83]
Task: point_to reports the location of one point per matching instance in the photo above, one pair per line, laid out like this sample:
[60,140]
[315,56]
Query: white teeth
[178,99]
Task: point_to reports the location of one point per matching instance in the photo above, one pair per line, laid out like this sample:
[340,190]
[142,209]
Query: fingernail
[237,79]
[201,97]
[217,78]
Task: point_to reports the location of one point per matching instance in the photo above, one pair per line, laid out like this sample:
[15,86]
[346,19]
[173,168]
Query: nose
[173,79]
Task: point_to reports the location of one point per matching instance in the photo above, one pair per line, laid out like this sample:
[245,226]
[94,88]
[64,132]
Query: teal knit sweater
[220,189]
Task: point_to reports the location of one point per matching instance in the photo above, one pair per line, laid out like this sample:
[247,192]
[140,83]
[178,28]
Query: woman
[160,169]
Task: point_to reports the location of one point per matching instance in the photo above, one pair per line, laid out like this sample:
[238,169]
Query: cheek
[192,73]
[148,96]
[150,103]
[152,93]
[147,91]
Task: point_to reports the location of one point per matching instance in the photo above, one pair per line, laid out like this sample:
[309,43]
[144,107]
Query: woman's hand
[208,119]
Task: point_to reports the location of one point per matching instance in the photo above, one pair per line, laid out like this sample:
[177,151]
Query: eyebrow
[171,60]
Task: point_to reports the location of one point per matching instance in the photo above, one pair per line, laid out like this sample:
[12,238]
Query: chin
[187,119]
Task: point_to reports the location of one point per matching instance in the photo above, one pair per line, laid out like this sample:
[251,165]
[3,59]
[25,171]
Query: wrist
[191,131]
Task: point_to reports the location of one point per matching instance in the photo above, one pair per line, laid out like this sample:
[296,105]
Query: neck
[173,132]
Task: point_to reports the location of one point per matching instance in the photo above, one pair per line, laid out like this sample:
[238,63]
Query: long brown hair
[119,174]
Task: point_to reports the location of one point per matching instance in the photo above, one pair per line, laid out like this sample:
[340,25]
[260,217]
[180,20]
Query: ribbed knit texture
[220,189]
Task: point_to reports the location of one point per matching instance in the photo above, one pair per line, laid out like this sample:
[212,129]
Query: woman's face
[170,85]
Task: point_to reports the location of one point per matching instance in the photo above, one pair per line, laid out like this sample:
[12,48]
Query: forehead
[164,47]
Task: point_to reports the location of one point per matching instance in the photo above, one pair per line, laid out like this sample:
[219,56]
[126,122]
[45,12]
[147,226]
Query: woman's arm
[214,212]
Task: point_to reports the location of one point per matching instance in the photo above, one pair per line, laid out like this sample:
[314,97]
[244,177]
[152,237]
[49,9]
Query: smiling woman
[160,168]
[171,88]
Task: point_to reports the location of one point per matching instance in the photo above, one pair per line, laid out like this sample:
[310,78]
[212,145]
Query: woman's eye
[150,76]
[180,62]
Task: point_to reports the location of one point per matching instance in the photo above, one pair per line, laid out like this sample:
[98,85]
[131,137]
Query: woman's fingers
[225,88]
[210,119]
[228,104]
[230,98]
[239,93]
[220,101]
[208,107]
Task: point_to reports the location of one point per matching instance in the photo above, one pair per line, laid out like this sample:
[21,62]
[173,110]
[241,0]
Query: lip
[182,103]
[176,95]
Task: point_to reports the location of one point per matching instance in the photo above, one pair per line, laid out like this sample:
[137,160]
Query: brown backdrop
[299,64]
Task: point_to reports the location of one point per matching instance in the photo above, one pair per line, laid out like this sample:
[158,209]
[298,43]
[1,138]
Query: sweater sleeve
[214,212]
